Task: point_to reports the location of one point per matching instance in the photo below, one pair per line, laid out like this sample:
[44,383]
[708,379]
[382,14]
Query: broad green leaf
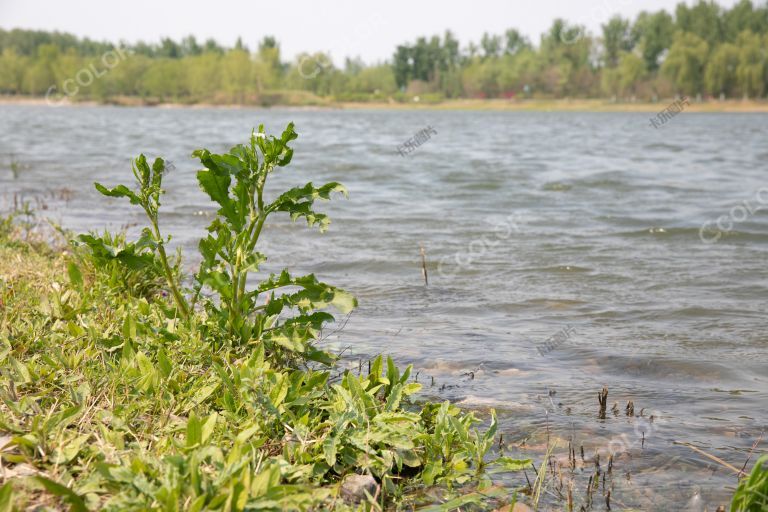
[411,388]
[202,395]
[6,497]
[194,431]
[118,191]
[216,184]
[509,464]
[70,449]
[393,374]
[75,277]
[376,367]
[208,427]
[329,449]
[299,200]
[395,395]
[248,433]
[467,499]
[164,363]
[141,170]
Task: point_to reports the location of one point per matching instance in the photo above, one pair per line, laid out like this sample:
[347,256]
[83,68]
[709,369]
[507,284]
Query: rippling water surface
[565,253]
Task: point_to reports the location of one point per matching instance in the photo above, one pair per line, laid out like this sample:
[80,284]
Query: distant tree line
[701,49]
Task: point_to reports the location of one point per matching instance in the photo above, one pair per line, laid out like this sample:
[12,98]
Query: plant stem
[256,225]
[234,312]
[180,302]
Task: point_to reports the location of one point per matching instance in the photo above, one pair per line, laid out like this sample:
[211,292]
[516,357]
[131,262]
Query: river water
[565,252]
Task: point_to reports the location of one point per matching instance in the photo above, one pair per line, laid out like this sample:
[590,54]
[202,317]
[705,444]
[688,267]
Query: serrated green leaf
[118,191]
[216,184]
[510,464]
[329,450]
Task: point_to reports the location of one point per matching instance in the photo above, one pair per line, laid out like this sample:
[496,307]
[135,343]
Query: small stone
[354,487]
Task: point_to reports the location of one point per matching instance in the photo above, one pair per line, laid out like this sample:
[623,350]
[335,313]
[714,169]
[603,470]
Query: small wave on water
[664,147]
[695,233]
[556,186]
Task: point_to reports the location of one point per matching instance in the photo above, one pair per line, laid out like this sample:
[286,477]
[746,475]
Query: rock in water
[354,487]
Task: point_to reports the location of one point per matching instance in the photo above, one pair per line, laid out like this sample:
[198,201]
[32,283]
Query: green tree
[378,79]
[127,77]
[213,47]
[237,75]
[491,45]
[566,50]
[316,73]
[169,48]
[720,75]
[561,34]
[481,78]
[631,70]
[12,68]
[528,66]
[515,42]
[751,71]
[204,75]
[189,46]
[165,80]
[401,65]
[66,66]
[270,67]
[451,54]
[654,33]
[239,45]
[703,19]
[685,63]
[617,38]
[40,76]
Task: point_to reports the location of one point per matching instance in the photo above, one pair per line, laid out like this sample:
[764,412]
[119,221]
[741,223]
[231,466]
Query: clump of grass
[114,396]
[752,492]
[15,167]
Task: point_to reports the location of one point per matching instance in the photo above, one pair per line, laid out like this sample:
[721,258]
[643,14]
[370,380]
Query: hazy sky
[342,27]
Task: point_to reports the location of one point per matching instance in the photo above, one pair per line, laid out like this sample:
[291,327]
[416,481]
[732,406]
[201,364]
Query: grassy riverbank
[125,388]
[310,101]
[107,403]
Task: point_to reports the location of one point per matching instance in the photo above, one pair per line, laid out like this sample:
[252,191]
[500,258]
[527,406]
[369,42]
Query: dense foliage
[700,49]
[126,387]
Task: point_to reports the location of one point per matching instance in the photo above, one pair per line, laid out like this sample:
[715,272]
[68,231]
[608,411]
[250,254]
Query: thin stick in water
[424,264]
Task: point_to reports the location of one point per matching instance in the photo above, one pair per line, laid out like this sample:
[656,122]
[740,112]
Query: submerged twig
[709,456]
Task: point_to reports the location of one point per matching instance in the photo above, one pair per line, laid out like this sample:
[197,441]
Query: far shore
[524,105]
